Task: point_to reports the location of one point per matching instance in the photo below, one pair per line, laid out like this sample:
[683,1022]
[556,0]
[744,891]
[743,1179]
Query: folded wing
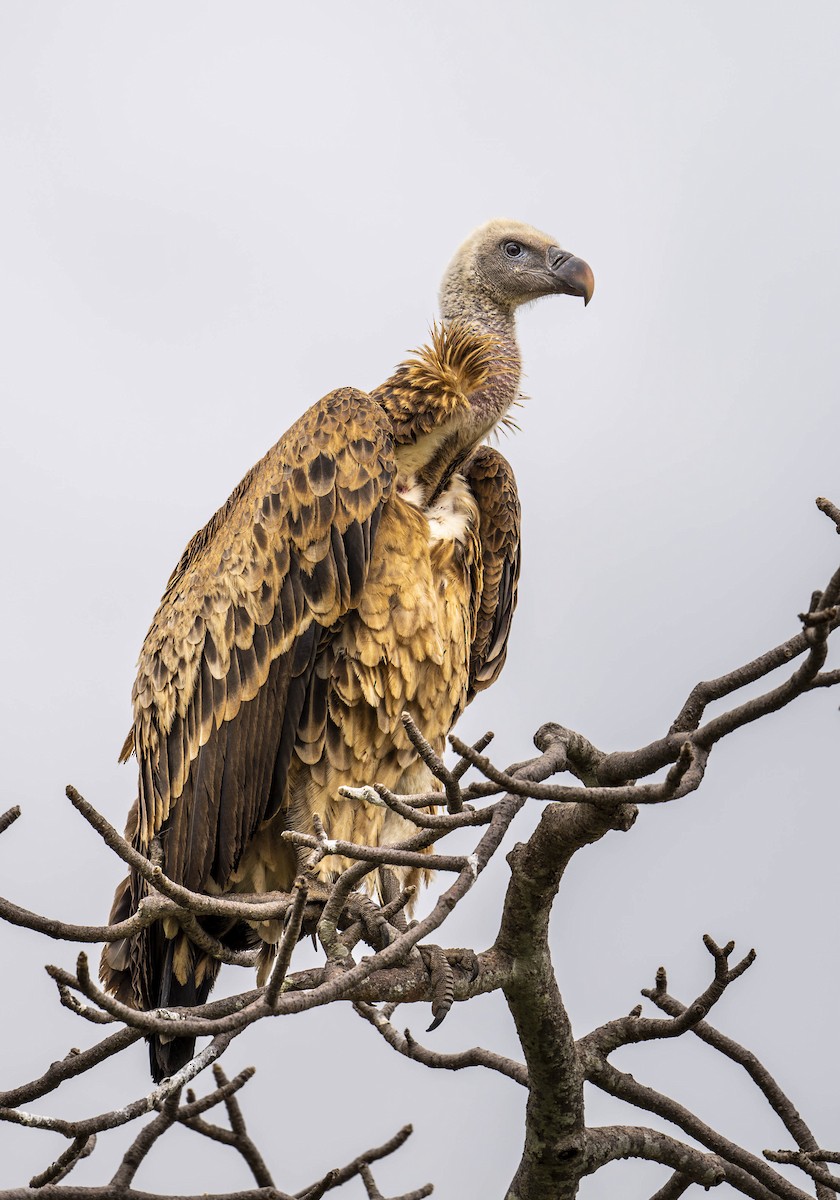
[224,667]
[492,482]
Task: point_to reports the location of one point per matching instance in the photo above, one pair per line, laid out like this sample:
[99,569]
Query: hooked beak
[572,276]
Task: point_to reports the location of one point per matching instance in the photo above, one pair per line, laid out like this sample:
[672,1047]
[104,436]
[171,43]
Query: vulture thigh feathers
[366,566]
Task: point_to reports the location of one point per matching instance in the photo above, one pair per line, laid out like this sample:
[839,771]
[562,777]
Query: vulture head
[455,392]
[504,264]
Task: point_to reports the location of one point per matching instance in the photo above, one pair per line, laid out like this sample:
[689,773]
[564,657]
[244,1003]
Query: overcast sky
[211,214]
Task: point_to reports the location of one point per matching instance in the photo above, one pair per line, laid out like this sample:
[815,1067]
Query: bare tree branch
[830,510]
[237,1136]
[624,1087]
[630,1141]
[676,1186]
[827,1183]
[405,1044]
[554,1129]
[287,942]
[77,1062]
[79,1148]
[9,817]
[781,1104]
[138,1108]
[341,1175]
[405,966]
[635,1028]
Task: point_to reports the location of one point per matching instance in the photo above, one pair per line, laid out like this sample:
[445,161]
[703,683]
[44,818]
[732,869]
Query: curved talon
[442,980]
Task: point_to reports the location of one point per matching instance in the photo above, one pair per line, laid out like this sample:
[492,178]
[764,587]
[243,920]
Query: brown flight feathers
[290,547]
[492,482]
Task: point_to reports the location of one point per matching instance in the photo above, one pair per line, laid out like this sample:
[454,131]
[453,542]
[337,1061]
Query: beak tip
[587,284]
[574,277]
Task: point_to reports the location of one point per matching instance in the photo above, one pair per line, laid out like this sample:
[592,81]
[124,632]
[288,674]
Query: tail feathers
[150,970]
[179,975]
[168,1055]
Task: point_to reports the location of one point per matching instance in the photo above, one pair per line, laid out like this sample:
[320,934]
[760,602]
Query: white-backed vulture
[366,566]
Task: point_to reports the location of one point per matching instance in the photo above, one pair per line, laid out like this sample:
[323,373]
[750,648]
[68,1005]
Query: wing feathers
[227,663]
[491,481]
[357,557]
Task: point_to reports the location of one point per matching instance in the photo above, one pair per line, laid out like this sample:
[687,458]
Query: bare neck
[464,301]
[465,297]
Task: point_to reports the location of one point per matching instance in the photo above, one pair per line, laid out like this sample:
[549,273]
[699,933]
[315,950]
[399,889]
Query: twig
[80,1147]
[378,855]
[406,1045]
[826,1182]
[451,786]
[442,821]
[288,941]
[261,908]
[9,817]
[781,1104]
[340,1175]
[625,1087]
[634,1028]
[77,1062]
[684,776]
[676,1186]
[825,679]
[374,1193]
[142,1144]
[237,1136]
[112,1120]
[830,510]
[225,1090]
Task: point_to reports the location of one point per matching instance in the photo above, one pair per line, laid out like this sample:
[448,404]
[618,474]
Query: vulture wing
[491,481]
[225,666]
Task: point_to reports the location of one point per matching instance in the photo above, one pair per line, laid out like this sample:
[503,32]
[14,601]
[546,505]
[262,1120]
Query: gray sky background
[212,214]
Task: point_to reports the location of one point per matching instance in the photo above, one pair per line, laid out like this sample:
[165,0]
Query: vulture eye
[513,249]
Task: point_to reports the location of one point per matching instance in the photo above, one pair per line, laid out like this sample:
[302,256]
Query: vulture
[365,567]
